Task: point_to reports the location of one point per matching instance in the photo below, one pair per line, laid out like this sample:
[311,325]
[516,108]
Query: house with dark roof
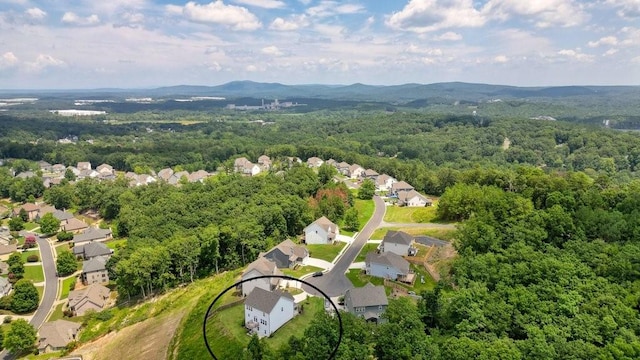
[400,186]
[55,335]
[368,302]
[93,297]
[287,254]
[92,234]
[94,271]
[266,311]
[413,199]
[321,231]
[74,225]
[63,216]
[399,243]
[260,267]
[91,250]
[389,266]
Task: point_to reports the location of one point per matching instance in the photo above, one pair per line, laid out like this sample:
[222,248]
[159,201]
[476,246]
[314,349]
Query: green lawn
[359,279]
[30,226]
[442,234]
[406,215]
[418,286]
[57,313]
[298,324]
[365,210]
[26,254]
[368,247]
[61,247]
[301,270]
[34,273]
[40,291]
[66,283]
[325,252]
[115,245]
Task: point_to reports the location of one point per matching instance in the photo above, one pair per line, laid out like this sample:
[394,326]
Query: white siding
[398,249]
[416,202]
[382,271]
[268,323]
[315,234]
[248,287]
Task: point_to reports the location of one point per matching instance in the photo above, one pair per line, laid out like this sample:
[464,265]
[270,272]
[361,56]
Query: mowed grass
[411,215]
[301,270]
[367,248]
[116,245]
[443,234]
[365,211]
[26,254]
[325,252]
[66,286]
[421,273]
[359,278]
[40,291]
[298,324]
[57,313]
[33,273]
[62,247]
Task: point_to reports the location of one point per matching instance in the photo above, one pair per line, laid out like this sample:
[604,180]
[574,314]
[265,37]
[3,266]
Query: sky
[76,44]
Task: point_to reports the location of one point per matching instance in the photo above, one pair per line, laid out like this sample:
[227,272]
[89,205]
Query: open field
[365,211]
[403,214]
[325,252]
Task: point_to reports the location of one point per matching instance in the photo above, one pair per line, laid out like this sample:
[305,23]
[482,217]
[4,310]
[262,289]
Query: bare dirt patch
[145,340]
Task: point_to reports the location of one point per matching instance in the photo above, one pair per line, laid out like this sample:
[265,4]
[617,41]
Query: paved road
[334,282]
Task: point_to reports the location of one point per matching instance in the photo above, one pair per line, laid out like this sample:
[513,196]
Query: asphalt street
[334,282]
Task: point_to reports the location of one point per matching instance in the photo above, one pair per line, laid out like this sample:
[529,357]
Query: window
[282,308]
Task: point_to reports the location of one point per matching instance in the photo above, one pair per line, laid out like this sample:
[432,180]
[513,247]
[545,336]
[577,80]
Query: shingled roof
[389,259]
[264,300]
[369,295]
[398,237]
[326,224]
[97,263]
[94,293]
[57,334]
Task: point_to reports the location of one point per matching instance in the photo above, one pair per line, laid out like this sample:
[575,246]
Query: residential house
[8,249]
[74,170]
[4,268]
[399,186]
[5,287]
[44,166]
[198,176]
[388,266]
[384,182]
[94,271]
[105,170]
[370,174]
[413,199]
[368,302]
[74,225]
[245,167]
[88,173]
[26,175]
[91,250]
[266,311]
[62,215]
[331,162]
[55,335]
[59,169]
[355,171]
[93,297]
[314,162]
[343,168]
[265,162]
[321,231]
[43,210]
[287,254]
[30,208]
[165,174]
[83,165]
[399,243]
[92,234]
[260,267]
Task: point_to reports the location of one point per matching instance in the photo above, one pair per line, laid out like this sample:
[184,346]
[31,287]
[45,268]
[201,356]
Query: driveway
[334,282]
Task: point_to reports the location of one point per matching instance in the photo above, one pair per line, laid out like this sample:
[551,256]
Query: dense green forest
[549,259]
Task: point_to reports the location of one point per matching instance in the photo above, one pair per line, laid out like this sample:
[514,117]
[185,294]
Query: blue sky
[148,43]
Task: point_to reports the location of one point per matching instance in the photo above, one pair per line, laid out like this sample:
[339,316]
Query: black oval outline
[206,315]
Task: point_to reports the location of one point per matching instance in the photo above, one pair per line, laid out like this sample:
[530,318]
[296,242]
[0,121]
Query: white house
[260,267]
[398,242]
[314,162]
[246,167]
[266,311]
[355,171]
[400,186]
[321,231]
[384,182]
[412,199]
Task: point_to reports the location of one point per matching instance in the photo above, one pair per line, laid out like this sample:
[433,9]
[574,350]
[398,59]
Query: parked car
[318,273]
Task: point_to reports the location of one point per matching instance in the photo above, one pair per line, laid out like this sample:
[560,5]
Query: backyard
[368,247]
[325,252]
[66,287]
[300,271]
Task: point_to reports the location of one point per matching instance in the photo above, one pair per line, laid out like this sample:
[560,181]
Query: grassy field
[66,283]
[61,247]
[421,273]
[57,313]
[116,244]
[26,254]
[34,273]
[30,226]
[301,270]
[444,234]
[402,214]
[365,211]
[359,279]
[40,291]
[368,247]
[298,324]
[325,252]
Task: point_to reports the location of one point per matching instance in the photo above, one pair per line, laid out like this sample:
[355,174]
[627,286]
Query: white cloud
[216,12]
[44,61]
[294,23]
[628,9]
[501,59]
[610,52]
[73,19]
[632,36]
[267,4]
[8,59]
[330,8]
[545,13]
[413,49]
[271,50]
[607,40]
[36,13]
[431,15]
[448,36]
[251,68]
[576,55]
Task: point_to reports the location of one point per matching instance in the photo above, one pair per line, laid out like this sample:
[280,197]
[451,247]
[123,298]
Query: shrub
[104,315]
[68,313]
[33,258]
[64,236]
[29,242]
[7,320]
[5,302]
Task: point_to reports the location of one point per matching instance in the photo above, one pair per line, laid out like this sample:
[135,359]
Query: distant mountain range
[403,94]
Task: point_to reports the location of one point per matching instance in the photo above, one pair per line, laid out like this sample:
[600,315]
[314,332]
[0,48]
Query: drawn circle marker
[209,313]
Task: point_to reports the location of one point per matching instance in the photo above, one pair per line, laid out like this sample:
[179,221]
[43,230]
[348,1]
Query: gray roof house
[399,243]
[389,266]
[266,311]
[287,254]
[400,186]
[93,297]
[92,250]
[413,198]
[62,215]
[94,271]
[92,234]
[368,302]
[54,336]
[5,287]
[260,267]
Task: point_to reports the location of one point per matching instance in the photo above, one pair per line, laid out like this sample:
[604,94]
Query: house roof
[289,248]
[28,207]
[92,249]
[343,165]
[264,158]
[75,224]
[263,266]
[198,175]
[3,282]
[354,167]
[239,162]
[91,234]
[408,195]
[94,293]
[8,249]
[382,179]
[165,173]
[388,259]
[45,209]
[264,300]
[401,185]
[369,295]
[398,237]
[97,263]
[58,333]
[370,172]
[325,223]
[62,215]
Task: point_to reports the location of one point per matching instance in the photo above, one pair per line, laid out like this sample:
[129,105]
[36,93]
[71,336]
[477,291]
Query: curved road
[334,282]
